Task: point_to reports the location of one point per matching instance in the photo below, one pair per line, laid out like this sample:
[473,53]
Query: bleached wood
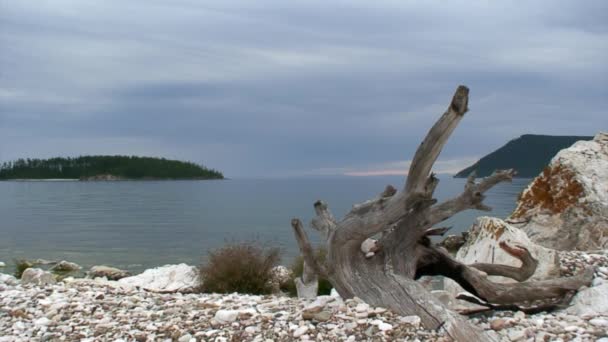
[402,220]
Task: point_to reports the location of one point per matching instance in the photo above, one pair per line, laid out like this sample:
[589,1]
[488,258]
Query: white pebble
[363,307]
[42,322]
[517,335]
[412,320]
[226,316]
[300,331]
[599,322]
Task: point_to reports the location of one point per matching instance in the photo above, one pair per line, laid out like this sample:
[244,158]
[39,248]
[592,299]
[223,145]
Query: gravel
[95,310]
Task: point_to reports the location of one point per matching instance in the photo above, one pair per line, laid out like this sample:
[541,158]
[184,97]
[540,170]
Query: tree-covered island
[105,168]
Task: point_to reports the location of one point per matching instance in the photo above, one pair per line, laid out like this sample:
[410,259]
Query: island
[528,155]
[106,168]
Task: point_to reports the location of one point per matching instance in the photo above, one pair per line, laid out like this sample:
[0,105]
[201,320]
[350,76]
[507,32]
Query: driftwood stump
[400,222]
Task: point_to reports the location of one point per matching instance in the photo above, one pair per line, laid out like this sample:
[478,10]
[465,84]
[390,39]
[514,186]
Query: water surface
[140,224]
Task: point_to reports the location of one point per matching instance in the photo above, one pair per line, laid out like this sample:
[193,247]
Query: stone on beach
[7,279]
[38,277]
[65,266]
[590,301]
[280,275]
[226,316]
[168,278]
[107,272]
[102,310]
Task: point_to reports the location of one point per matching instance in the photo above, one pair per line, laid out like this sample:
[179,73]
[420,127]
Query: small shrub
[297,268]
[239,267]
[20,266]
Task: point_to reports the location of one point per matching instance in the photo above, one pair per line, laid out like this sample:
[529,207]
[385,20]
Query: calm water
[135,225]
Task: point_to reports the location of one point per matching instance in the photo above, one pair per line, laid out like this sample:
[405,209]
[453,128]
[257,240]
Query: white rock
[42,322]
[598,281]
[599,322]
[482,246]
[186,338]
[382,325]
[251,329]
[2,264]
[590,301]
[300,331]
[226,316]
[37,276]
[517,335]
[18,326]
[369,247]
[168,278]
[8,279]
[411,320]
[566,206]
[385,327]
[362,307]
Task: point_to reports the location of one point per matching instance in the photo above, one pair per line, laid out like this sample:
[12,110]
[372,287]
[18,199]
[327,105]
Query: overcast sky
[289,88]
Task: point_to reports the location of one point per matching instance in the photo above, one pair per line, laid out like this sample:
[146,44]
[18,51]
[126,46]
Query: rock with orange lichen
[566,206]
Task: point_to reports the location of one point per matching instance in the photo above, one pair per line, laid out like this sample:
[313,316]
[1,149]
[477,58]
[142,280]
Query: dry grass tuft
[244,267]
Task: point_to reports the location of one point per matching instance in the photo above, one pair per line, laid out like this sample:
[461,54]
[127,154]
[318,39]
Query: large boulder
[168,278]
[107,272]
[566,206]
[38,277]
[482,246]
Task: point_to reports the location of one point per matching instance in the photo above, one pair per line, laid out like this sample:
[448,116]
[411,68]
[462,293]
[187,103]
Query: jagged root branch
[522,273]
[306,249]
[471,198]
[324,222]
[529,308]
[433,143]
[438,231]
[527,295]
[307,285]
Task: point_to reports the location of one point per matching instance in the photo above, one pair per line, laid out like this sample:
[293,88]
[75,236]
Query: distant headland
[528,155]
[105,168]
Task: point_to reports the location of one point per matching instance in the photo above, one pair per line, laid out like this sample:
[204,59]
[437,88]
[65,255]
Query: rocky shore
[103,310]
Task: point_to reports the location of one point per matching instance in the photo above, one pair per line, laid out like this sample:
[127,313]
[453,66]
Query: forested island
[105,168]
[528,155]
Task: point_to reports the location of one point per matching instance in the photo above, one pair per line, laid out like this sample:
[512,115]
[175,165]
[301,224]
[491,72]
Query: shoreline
[100,310]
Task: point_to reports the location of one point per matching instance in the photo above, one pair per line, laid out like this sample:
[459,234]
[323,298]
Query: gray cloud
[269,88]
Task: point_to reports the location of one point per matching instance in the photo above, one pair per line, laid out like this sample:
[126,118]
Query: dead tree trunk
[401,222]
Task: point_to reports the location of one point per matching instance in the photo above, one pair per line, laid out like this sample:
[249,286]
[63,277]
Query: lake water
[141,224]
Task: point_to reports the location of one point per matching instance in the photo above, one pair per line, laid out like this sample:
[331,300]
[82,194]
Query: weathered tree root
[401,221]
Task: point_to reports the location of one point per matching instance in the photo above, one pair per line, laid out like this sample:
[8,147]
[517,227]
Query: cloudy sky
[289,88]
